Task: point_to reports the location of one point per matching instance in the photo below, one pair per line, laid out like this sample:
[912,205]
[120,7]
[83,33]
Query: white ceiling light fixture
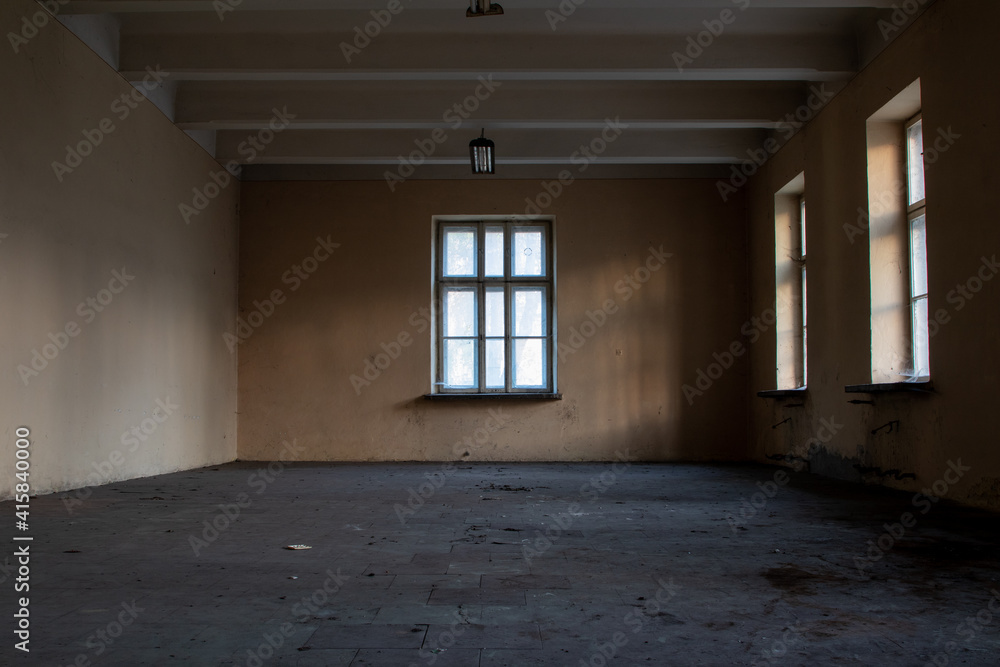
[483,8]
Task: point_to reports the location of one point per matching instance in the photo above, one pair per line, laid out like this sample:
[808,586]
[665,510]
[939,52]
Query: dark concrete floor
[515,565]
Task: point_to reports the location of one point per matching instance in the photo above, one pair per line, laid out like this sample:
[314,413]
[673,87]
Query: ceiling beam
[539,57]
[512,105]
[617,145]
[356,172]
[161,6]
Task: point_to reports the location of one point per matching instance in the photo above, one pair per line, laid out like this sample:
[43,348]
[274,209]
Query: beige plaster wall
[622,390]
[948,49]
[61,241]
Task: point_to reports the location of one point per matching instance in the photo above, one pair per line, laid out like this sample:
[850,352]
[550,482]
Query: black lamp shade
[483,155]
[484,8]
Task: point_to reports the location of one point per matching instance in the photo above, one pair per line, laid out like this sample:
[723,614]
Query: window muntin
[494,283]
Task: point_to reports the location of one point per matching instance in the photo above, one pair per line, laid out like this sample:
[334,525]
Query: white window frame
[914,212]
[509,283]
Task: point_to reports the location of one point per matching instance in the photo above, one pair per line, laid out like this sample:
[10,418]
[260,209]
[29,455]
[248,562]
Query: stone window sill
[497,396]
[891,387]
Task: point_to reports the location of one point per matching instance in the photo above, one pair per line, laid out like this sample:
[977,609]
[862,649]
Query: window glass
[529,362]
[918,256]
[915,162]
[460,252]
[460,312]
[494,251]
[529,313]
[528,253]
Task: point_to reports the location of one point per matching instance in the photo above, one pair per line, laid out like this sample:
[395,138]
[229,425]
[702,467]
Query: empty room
[465,333]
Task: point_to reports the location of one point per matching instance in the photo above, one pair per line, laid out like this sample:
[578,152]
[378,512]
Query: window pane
[805,357]
[494,251]
[460,363]
[460,252]
[915,161]
[802,224]
[529,362]
[918,256]
[529,312]
[495,363]
[529,252]
[459,312]
[921,339]
[805,297]
[805,328]
[494,311]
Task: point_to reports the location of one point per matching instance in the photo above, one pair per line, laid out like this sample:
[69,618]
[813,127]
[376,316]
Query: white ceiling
[557,87]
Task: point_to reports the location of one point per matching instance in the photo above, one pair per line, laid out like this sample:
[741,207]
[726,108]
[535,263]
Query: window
[917,222]
[802,288]
[895,222]
[495,293]
[790,283]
